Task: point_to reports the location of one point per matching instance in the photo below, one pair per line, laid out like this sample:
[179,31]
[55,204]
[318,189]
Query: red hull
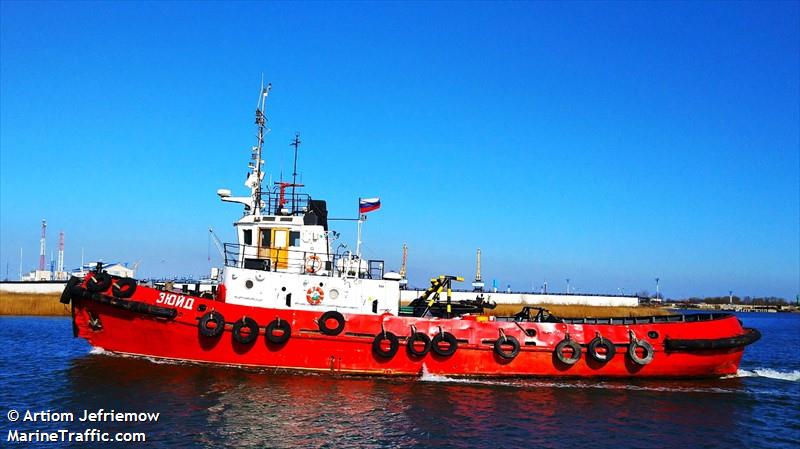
[118,328]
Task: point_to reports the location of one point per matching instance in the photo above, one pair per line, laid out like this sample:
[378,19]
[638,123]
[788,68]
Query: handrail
[301,262]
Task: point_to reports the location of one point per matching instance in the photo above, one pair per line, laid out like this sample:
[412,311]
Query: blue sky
[608,143]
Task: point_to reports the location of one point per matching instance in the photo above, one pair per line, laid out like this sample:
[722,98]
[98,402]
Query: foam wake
[792,376]
[427,376]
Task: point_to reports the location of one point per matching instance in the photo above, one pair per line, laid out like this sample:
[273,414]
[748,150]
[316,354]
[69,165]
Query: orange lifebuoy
[313,264]
[314,295]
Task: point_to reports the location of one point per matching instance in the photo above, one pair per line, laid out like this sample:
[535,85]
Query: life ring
[502,352]
[252,330]
[447,337]
[99,282]
[646,347]
[214,318]
[576,351]
[315,295]
[377,345]
[123,287]
[283,326]
[313,264]
[600,342]
[331,315]
[418,337]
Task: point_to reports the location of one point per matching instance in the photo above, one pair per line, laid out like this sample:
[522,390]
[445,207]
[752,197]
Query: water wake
[792,376]
[427,376]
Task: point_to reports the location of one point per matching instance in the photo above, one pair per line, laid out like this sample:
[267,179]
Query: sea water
[42,368]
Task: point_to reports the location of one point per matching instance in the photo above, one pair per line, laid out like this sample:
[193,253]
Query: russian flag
[368,205]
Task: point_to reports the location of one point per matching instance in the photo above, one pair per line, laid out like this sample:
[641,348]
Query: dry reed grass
[48,305]
[32,304]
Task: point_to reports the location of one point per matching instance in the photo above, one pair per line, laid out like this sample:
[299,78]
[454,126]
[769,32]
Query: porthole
[530,332]
[283,289]
[334,293]
[652,334]
[248,283]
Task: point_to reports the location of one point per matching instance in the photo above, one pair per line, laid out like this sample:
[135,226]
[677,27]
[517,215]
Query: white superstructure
[284,257]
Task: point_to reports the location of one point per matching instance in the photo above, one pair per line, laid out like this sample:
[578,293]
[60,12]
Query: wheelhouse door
[264,245]
[279,249]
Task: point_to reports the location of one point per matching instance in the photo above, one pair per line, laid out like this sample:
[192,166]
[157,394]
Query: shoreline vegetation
[32,304]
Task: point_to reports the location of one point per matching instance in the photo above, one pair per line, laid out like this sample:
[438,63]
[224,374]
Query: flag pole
[358,238]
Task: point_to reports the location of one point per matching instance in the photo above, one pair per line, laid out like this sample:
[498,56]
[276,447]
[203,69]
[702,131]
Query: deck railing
[286,260]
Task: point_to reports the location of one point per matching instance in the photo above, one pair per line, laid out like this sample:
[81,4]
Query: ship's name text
[171,299]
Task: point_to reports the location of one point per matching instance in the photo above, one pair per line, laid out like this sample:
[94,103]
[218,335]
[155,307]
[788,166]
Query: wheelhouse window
[247,235]
[266,238]
[294,238]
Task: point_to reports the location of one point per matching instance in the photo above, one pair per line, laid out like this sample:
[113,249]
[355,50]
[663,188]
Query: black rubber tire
[591,350]
[508,355]
[394,344]
[100,282]
[331,315]
[448,338]
[413,338]
[211,317]
[648,352]
[123,287]
[282,325]
[66,295]
[245,323]
[576,351]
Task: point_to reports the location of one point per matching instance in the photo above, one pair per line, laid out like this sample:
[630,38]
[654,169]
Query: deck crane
[217,242]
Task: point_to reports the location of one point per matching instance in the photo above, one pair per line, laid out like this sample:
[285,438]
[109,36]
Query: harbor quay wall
[535,298]
[41,288]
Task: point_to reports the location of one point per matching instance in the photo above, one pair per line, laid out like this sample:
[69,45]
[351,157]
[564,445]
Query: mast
[296,144]
[258,162]
[255,176]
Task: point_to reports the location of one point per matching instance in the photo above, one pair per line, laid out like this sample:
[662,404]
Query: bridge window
[294,238]
[265,238]
[248,236]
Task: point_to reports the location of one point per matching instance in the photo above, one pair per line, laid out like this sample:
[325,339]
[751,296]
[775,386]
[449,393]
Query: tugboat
[288,301]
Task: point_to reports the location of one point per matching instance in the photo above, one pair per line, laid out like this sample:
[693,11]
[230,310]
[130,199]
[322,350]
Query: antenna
[296,144]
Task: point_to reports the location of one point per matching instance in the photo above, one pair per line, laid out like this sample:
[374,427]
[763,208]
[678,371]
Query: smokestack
[60,252]
[42,246]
